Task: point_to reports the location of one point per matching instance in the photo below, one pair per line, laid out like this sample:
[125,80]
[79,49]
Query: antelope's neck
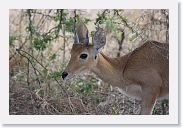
[110,69]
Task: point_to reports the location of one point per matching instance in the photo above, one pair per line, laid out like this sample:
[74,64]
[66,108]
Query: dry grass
[99,100]
[34,92]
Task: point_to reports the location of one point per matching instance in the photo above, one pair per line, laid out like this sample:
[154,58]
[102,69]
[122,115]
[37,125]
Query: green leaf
[56,18]
[12,39]
[125,19]
[52,57]
[86,20]
[45,72]
[110,26]
[39,44]
[56,74]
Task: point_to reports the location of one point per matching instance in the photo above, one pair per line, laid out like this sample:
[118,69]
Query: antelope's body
[142,74]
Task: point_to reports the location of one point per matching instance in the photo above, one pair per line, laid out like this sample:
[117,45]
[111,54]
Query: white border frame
[172,118]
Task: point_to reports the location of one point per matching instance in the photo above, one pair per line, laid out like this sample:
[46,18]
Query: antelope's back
[151,55]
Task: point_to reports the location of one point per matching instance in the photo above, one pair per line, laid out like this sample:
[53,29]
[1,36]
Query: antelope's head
[83,54]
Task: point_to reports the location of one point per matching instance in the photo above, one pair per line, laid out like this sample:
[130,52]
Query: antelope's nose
[64,75]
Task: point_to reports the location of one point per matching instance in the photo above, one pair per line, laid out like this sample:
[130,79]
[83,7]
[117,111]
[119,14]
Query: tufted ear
[81,34]
[99,39]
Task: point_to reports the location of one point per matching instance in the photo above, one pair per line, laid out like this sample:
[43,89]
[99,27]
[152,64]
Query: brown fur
[143,73]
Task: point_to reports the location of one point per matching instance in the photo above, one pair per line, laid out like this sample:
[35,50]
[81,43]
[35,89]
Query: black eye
[83,56]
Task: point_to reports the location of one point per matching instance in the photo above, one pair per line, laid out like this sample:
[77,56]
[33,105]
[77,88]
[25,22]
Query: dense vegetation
[39,49]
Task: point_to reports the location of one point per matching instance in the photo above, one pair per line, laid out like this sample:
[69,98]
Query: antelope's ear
[86,40]
[76,39]
[99,40]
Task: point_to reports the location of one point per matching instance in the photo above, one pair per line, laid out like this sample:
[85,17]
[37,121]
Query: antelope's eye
[83,56]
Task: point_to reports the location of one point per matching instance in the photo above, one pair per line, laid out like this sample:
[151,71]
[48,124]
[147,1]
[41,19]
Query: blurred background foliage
[39,49]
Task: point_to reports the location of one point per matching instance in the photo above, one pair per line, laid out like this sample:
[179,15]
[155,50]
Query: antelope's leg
[150,80]
[149,97]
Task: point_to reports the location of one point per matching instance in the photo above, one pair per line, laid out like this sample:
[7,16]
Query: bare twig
[46,70]
[35,70]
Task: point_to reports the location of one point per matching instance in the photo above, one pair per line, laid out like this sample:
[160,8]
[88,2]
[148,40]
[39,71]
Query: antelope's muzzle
[64,75]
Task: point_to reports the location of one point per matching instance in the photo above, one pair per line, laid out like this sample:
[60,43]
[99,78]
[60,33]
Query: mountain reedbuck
[142,73]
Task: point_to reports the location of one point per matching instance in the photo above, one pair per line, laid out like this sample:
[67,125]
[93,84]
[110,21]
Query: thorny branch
[19,51]
[91,96]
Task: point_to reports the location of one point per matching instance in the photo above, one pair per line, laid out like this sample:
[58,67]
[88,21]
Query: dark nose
[64,74]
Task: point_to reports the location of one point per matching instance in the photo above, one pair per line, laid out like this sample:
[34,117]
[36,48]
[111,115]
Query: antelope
[142,73]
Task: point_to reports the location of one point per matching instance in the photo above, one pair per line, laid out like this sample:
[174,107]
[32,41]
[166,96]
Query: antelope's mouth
[68,77]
